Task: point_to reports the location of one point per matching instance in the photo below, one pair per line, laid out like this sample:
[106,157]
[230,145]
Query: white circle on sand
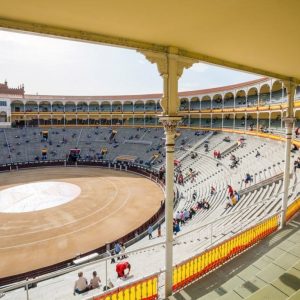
[37,196]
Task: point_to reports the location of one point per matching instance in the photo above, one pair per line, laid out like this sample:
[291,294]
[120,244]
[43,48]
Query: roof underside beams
[92,37]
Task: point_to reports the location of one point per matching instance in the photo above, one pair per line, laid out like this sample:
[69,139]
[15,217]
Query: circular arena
[115,186]
[59,213]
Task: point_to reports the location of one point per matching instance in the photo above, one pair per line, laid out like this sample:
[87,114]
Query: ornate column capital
[289,121]
[158,58]
[162,60]
[170,66]
[170,123]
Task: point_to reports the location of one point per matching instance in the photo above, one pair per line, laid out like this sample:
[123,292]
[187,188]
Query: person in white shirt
[81,284]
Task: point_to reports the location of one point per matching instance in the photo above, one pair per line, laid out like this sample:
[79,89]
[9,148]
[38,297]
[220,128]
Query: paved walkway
[270,270]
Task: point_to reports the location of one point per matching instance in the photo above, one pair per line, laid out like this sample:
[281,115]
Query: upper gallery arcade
[228,106]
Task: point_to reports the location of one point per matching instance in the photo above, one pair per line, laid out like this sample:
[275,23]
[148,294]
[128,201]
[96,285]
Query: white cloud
[57,66]
[199,67]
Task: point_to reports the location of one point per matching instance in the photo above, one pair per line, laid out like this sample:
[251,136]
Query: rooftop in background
[5,90]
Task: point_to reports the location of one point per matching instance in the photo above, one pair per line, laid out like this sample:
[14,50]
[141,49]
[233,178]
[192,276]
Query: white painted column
[288,120]
[170,124]
[170,66]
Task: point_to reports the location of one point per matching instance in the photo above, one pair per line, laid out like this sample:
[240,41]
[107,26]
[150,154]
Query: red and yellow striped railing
[292,209]
[199,265]
[145,289]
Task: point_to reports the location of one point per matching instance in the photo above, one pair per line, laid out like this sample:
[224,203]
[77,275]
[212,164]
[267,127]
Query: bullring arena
[109,191]
[105,206]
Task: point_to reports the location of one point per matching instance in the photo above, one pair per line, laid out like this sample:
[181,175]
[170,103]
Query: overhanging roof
[260,36]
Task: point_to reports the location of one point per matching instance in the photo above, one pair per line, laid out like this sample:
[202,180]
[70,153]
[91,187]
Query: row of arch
[204,119]
[71,106]
[262,95]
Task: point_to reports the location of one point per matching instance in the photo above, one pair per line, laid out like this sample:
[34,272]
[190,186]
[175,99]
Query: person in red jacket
[121,267]
[230,190]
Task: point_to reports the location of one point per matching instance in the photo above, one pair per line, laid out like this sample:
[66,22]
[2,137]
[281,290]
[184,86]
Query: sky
[51,66]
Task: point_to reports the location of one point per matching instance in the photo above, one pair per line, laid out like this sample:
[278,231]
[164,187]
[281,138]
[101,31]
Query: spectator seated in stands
[296,164]
[194,196]
[234,161]
[295,148]
[206,205]
[237,196]
[95,281]
[120,269]
[192,212]
[257,154]
[81,284]
[212,191]
[227,139]
[248,178]
[194,155]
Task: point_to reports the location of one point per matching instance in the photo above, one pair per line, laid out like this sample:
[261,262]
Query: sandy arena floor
[111,204]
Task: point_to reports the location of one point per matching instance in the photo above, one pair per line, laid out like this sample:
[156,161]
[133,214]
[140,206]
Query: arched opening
[71,119]
[240,120]
[264,95]
[44,120]
[228,120]
[217,120]
[70,107]
[195,120]
[31,106]
[17,106]
[275,120]
[277,91]
[57,106]
[94,117]
[185,120]
[3,116]
[195,103]
[128,119]
[45,106]
[150,105]
[117,120]
[251,121]
[252,96]
[184,104]
[205,120]
[263,120]
[158,106]
[58,119]
[139,106]
[229,99]
[82,119]
[205,102]
[31,120]
[116,106]
[94,107]
[240,98]
[128,106]
[82,106]
[217,101]
[138,120]
[105,106]
[151,120]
